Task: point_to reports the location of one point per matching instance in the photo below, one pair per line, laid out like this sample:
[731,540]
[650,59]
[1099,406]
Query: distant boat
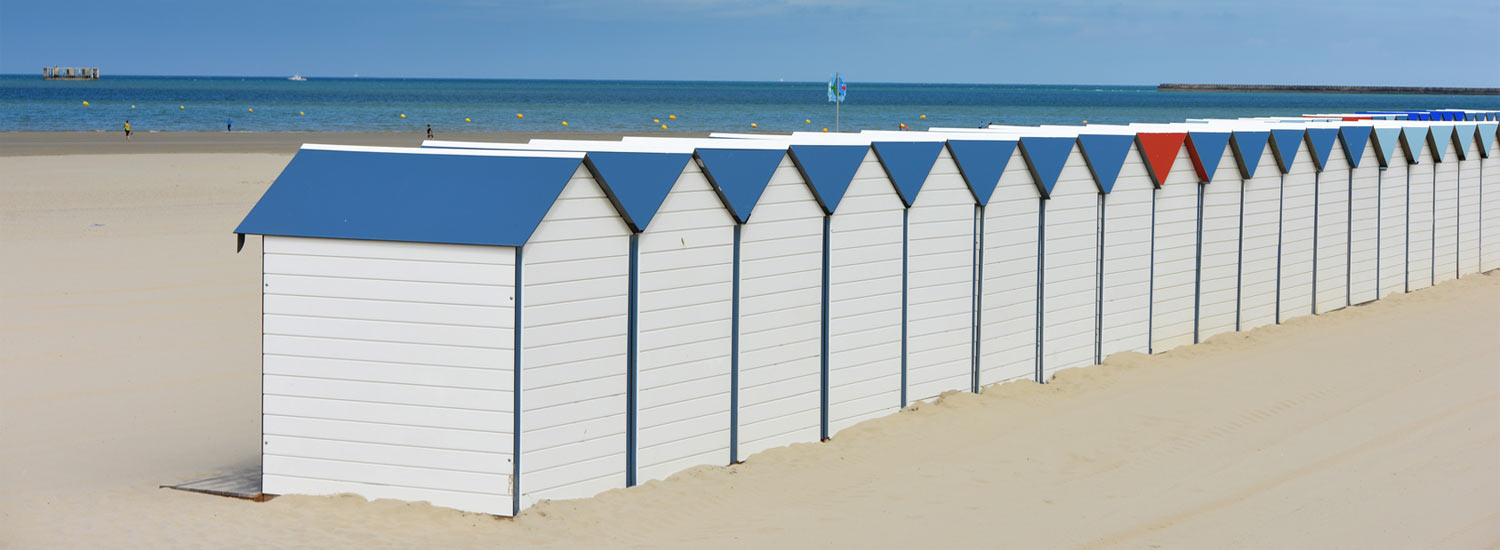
[297,77]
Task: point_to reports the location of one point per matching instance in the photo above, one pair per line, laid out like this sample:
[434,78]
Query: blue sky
[1444,42]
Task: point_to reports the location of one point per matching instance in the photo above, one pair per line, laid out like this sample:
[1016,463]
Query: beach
[129,336]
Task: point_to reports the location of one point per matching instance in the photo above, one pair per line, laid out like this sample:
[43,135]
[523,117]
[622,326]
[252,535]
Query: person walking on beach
[429,131]
[127,130]
[228,125]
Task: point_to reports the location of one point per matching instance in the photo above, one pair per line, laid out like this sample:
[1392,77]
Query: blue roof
[1284,145]
[1247,148]
[1413,137]
[1441,139]
[740,175]
[981,162]
[428,198]
[1206,149]
[636,183]
[1320,141]
[1386,140]
[1463,135]
[1354,139]
[1045,157]
[1105,155]
[828,169]
[1485,132]
[907,163]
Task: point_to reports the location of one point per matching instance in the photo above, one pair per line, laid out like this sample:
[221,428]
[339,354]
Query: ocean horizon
[366,104]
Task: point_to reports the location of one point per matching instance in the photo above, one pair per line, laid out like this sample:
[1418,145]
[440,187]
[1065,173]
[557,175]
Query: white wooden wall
[1420,233]
[1175,256]
[1364,241]
[1262,198]
[1445,231]
[1393,222]
[1007,344]
[1489,210]
[1125,323]
[1069,287]
[574,287]
[940,278]
[684,328]
[1468,210]
[864,315]
[387,371]
[1333,232]
[1219,265]
[781,312]
[1297,227]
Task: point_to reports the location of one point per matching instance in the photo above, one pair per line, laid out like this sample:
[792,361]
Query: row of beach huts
[486,325]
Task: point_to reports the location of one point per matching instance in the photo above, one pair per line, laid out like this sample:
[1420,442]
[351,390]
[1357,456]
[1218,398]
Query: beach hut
[1359,145]
[1489,196]
[1260,225]
[1420,177]
[1069,252]
[1466,148]
[1394,158]
[1218,230]
[1445,200]
[403,287]
[1295,255]
[1174,248]
[1331,184]
[1127,191]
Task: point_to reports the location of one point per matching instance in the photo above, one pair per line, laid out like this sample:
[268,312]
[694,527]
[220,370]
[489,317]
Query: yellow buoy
[809,121]
[403,115]
[565,123]
[181,107]
[923,116]
[252,110]
[1085,122]
[664,126]
[825,129]
[85,104]
[300,113]
[752,125]
[466,119]
[673,117]
[656,121]
[132,106]
[519,115]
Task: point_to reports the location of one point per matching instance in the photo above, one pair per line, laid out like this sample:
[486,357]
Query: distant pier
[1415,90]
[70,73]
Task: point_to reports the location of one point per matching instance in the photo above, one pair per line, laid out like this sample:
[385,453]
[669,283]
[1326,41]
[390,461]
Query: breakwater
[1315,89]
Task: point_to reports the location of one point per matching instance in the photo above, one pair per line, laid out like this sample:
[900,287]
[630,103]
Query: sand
[128,349]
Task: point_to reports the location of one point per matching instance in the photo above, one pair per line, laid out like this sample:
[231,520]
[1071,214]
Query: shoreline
[100,142]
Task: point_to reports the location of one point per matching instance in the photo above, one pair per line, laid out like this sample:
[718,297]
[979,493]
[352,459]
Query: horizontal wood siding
[1364,234]
[1299,198]
[573,338]
[387,370]
[1261,231]
[1125,323]
[1468,212]
[864,316]
[1219,265]
[1007,343]
[1445,231]
[781,292]
[1393,221]
[1069,286]
[1333,233]
[940,297]
[1420,234]
[1175,257]
[1489,211]
[684,331]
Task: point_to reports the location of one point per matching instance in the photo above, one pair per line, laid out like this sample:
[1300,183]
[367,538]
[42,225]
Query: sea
[264,104]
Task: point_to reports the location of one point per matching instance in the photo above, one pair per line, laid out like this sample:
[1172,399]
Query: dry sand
[128,338]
